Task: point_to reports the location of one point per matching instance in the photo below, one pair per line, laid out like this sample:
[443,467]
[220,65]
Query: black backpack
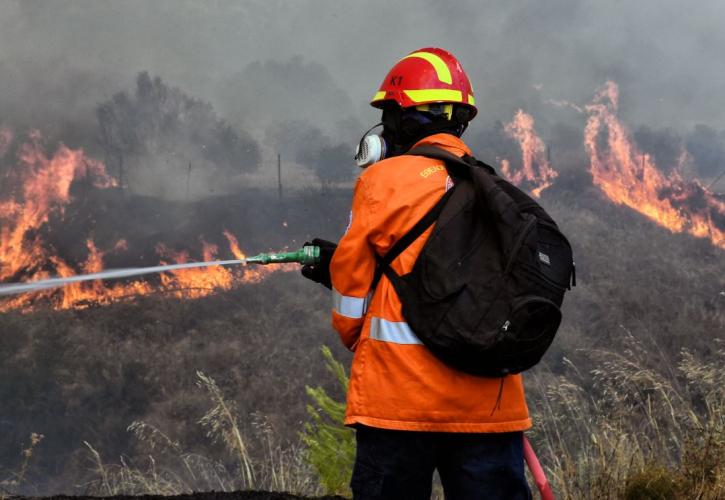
[485,291]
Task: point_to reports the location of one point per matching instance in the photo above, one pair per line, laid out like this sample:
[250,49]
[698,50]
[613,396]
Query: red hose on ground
[535,467]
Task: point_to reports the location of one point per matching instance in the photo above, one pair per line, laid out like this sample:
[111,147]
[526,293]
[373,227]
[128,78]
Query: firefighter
[412,413]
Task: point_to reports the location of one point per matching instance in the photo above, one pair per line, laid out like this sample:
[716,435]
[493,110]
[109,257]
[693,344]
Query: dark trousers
[399,465]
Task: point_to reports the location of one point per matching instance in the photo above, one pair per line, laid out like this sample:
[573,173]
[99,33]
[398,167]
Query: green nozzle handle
[308,254]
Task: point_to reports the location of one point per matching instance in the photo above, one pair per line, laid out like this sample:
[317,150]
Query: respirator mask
[371,149]
[404,127]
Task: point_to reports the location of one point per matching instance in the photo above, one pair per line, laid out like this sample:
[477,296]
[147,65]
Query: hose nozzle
[306,255]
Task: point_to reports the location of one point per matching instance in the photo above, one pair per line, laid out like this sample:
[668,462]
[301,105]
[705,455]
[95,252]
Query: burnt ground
[211,495]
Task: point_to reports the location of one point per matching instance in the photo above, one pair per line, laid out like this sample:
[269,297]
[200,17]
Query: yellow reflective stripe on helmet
[444,74]
[379,95]
[430,95]
[471,100]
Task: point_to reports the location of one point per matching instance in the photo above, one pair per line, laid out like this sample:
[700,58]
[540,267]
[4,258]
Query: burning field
[114,366]
[137,135]
[36,193]
[629,177]
[41,182]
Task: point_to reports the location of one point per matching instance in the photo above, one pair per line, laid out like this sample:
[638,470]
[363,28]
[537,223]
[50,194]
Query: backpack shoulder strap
[408,238]
[487,184]
[459,165]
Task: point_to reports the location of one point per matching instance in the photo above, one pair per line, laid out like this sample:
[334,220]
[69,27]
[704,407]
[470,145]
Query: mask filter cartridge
[370,150]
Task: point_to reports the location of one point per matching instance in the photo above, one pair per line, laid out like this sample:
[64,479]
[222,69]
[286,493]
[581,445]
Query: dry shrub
[11,484]
[634,426]
[171,470]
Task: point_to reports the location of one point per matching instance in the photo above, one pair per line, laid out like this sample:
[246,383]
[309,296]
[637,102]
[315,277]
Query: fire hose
[542,484]
[306,255]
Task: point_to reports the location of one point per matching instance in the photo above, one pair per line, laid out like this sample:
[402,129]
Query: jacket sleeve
[352,269]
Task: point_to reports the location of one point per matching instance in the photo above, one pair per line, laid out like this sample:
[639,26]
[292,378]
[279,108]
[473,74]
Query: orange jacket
[395,381]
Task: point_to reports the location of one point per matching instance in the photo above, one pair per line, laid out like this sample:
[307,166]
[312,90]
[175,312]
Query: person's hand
[320,272]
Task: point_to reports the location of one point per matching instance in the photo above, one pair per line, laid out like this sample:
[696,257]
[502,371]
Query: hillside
[78,376]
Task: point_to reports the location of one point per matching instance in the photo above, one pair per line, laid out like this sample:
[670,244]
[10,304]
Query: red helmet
[426,76]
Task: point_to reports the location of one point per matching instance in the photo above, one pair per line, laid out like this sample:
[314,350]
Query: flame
[255,274]
[83,295]
[629,177]
[536,173]
[234,245]
[42,188]
[194,283]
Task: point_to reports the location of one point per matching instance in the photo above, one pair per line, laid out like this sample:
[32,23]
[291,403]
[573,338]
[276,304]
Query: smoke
[267,92]
[53,97]
[265,64]
[494,145]
[665,146]
[331,161]
[666,59]
[158,137]
[707,147]
[262,65]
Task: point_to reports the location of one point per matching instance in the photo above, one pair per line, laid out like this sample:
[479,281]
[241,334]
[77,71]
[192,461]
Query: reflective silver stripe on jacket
[397,332]
[351,307]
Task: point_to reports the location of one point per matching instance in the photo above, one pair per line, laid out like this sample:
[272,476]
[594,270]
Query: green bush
[330,445]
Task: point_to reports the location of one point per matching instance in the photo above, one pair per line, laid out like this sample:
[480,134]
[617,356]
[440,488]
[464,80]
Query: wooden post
[188,181]
[120,172]
[279,175]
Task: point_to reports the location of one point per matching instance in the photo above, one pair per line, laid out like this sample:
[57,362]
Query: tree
[161,127]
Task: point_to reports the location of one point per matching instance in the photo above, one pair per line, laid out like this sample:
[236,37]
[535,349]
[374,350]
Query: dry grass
[630,428]
[11,484]
[634,425]
[171,470]
[84,375]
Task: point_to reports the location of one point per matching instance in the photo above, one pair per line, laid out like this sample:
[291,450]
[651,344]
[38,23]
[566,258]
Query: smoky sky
[267,61]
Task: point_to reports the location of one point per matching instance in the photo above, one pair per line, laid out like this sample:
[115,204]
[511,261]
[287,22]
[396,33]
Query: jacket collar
[448,142]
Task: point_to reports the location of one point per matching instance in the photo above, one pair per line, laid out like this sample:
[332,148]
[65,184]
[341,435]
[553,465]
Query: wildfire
[81,295]
[536,173]
[631,178]
[42,187]
[38,188]
[194,282]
